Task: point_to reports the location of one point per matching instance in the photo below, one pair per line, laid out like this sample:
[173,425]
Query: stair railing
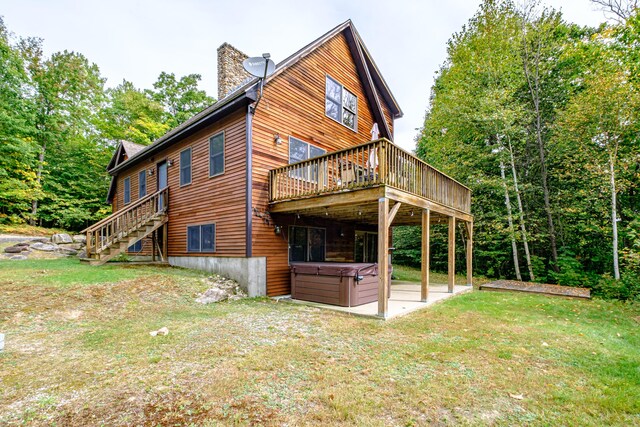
[119,225]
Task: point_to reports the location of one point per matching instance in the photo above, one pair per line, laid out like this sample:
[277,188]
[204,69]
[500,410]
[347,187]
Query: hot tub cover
[341,269]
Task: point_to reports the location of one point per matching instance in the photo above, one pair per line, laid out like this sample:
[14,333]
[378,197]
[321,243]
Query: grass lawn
[78,352]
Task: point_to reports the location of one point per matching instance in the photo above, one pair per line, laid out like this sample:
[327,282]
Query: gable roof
[244,95]
[127,148]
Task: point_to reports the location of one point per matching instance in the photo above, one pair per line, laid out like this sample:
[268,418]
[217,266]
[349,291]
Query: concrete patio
[404,299]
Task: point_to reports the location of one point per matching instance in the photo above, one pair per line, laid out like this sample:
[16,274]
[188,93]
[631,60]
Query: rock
[14,249]
[46,247]
[76,246]
[66,251]
[213,295]
[82,254]
[18,257]
[61,238]
[80,238]
[162,331]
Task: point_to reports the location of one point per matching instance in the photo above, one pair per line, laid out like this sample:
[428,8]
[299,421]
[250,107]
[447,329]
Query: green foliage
[59,126]
[180,98]
[132,115]
[586,104]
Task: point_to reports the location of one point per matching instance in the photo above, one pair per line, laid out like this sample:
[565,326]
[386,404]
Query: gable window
[127,190]
[185,167]
[201,238]
[340,104]
[299,151]
[216,154]
[142,184]
[307,244]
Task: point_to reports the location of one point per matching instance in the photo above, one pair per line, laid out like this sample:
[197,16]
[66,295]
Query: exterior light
[277,139]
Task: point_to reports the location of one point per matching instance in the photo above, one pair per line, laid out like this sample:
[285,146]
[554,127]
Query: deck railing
[119,225]
[370,164]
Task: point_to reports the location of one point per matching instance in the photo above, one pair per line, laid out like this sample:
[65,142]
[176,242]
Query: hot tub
[343,284]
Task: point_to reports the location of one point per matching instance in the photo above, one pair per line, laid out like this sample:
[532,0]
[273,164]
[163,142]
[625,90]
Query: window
[340,104]
[216,154]
[136,247]
[299,151]
[127,190]
[142,184]
[307,244]
[185,167]
[201,238]
[366,247]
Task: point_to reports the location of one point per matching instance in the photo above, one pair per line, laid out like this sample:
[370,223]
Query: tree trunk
[614,219]
[507,202]
[34,202]
[523,229]
[533,81]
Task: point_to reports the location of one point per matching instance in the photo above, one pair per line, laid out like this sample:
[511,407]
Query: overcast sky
[136,40]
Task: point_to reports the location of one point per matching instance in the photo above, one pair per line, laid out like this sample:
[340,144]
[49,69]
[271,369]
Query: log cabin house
[260,191]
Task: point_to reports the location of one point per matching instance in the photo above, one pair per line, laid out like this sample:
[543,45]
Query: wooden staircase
[113,235]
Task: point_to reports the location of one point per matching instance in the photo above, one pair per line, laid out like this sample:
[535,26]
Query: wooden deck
[348,183]
[378,183]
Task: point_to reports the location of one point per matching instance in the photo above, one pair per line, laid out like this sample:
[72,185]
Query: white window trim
[342,107]
[224,150]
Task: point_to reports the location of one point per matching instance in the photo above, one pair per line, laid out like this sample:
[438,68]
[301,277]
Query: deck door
[162,178]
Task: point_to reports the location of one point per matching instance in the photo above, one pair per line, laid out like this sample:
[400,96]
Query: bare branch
[618,10]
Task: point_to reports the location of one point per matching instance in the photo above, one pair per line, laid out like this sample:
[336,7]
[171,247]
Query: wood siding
[219,200]
[294,105]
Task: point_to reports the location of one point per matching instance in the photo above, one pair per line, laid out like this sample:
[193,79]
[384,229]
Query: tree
[132,115]
[181,98]
[67,91]
[619,10]
[18,184]
[603,120]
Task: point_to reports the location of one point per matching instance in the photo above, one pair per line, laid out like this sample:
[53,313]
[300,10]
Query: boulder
[61,238]
[214,295]
[80,238]
[76,246]
[66,251]
[14,249]
[18,257]
[82,254]
[46,247]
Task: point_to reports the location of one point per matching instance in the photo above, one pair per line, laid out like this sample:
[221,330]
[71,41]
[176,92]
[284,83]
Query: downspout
[249,181]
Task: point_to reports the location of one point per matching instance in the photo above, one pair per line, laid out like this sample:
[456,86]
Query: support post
[426,252]
[383,259]
[153,245]
[452,253]
[165,242]
[470,253]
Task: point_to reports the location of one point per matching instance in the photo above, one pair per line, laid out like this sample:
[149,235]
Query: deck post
[469,253]
[165,242]
[153,246]
[452,253]
[426,252]
[383,259]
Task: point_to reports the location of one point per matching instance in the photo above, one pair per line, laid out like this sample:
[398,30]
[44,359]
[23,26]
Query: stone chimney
[230,71]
